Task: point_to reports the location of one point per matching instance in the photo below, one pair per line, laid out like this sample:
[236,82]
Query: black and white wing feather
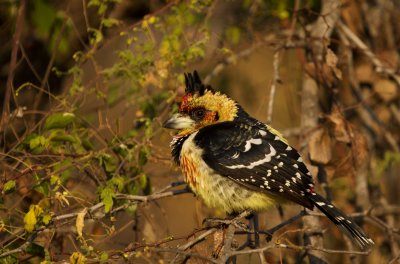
[253,156]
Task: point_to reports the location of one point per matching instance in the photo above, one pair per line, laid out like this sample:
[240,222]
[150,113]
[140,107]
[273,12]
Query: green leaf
[109,22]
[118,181]
[131,209]
[108,162]
[9,186]
[10,259]
[103,257]
[43,188]
[143,153]
[77,258]
[59,120]
[55,180]
[145,184]
[95,35]
[233,34]
[61,135]
[38,143]
[46,218]
[87,144]
[109,165]
[107,195]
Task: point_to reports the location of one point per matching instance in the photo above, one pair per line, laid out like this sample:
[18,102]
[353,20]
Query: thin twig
[275,81]
[13,64]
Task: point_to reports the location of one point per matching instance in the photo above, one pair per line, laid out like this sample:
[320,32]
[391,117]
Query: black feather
[176,147]
[194,84]
[342,221]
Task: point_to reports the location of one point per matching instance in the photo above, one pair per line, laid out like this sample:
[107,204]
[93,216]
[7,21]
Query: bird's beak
[178,121]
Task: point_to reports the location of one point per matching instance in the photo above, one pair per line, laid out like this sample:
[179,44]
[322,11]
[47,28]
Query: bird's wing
[255,157]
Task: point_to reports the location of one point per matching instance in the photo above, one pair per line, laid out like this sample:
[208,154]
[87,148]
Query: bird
[237,163]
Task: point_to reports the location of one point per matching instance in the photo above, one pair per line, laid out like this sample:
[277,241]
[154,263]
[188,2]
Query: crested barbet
[237,163]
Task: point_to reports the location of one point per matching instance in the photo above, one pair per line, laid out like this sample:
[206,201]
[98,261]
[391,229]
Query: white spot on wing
[255,141]
[320,203]
[266,159]
[236,155]
[288,148]
[262,132]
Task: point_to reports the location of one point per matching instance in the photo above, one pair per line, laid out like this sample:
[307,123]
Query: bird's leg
[253,228]
[256,230]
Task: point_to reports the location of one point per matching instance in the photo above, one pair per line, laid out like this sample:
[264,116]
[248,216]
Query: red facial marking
[210,117]
[185,103]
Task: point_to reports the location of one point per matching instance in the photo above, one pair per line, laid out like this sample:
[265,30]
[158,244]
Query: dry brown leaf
[386,89]
[342,161]
[332,60]
[340,130]
[320,146]
[80,221]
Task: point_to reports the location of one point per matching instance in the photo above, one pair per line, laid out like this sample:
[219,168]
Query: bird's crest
[194,86]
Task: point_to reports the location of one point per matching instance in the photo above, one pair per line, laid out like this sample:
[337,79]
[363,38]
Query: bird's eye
[198,114]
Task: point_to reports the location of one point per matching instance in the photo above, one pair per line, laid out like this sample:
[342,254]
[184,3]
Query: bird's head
[201,106]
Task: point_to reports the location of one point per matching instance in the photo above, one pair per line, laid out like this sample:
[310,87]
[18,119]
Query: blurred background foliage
[86,84]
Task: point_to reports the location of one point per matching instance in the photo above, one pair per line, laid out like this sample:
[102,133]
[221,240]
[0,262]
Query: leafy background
[86,174]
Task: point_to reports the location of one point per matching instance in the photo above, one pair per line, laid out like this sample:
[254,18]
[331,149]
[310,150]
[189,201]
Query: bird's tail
[348,227]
